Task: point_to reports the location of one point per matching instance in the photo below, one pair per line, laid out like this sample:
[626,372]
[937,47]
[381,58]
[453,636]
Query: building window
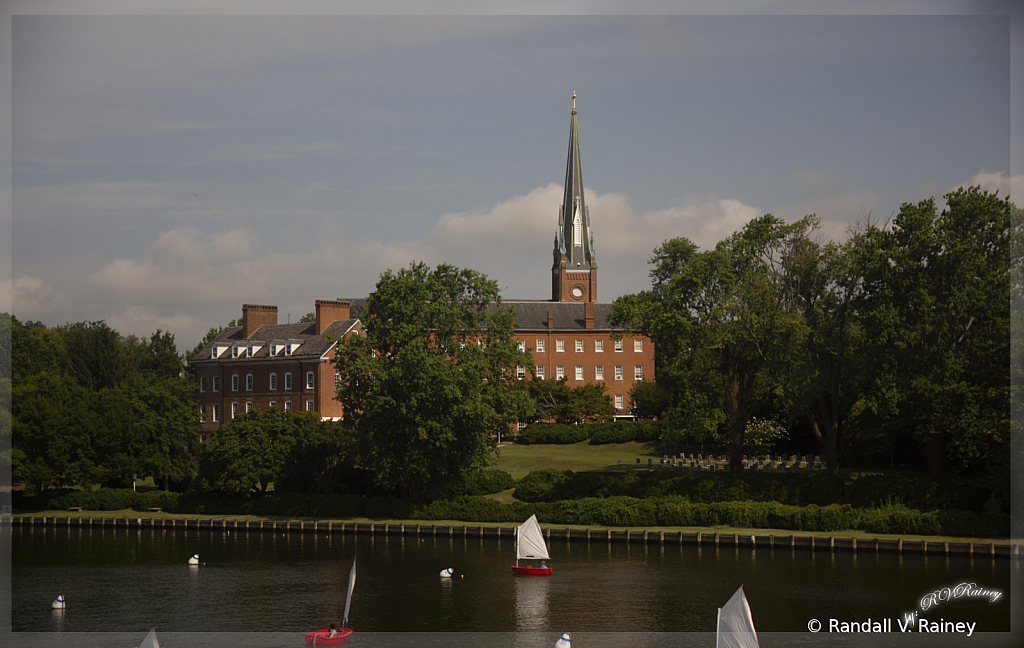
[618,346]
[248,382]
[234,382]
[521,345]
[559,372]
[234,410]
[216,413]
[599,373]
[309,380]
[599,346]
[540,373]
[579,372]
[248,407]
[287,406]
[309,406]
[540,346]
[273,381]
[560,346]
[202,385]
[520,372]
[216,383]
[287,381]
[638,372]
[638,346]
[618,401]
[579,346]
[618,372]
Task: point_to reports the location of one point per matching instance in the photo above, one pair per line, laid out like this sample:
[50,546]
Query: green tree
[724,324]
[251,451]
[431,383]
[936,312]
[648,400]
[555,400]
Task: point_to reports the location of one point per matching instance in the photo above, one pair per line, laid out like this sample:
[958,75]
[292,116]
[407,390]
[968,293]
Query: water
[282,585]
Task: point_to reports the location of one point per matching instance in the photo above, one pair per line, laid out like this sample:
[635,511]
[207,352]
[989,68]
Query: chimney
[254,316]
[551,320]
[589,314]
[330,310]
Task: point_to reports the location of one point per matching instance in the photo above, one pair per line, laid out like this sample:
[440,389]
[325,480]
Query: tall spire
[574,251]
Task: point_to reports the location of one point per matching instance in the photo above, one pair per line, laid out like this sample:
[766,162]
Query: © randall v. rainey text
[909,623]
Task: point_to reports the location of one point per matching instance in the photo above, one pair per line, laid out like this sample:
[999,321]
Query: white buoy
[563,642]
[58,603]
[446,573]
[194,560]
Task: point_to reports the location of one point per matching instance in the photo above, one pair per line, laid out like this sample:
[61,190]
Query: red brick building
[569,336]
[263,364]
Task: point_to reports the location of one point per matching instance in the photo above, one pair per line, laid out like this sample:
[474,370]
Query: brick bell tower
[574,273]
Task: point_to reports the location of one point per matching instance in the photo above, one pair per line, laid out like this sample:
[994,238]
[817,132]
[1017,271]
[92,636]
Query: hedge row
[658,512]
[819,488]
[597,433]
[615,511]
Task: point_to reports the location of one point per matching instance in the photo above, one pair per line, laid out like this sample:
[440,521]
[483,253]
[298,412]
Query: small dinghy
[58,603]
[333,636]
[735,625]
[150,641]
[530,545]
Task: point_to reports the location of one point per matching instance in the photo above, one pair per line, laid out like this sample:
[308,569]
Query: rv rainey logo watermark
[963,590]
[911,621]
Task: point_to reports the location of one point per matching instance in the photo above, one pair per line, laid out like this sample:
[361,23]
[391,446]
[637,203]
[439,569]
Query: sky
[171,161]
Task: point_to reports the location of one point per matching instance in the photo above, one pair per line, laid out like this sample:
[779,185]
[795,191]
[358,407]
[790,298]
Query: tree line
[889,349]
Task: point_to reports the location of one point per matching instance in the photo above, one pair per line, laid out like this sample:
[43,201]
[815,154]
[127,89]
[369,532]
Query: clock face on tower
[576,292]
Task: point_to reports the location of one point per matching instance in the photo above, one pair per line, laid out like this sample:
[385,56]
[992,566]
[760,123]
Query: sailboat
[323,637]
[735,625]
[150,641]
[530,545]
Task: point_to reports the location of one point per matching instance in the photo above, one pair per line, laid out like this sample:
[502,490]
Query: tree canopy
[431,383]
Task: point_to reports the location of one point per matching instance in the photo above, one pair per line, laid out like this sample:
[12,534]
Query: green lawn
[520,460]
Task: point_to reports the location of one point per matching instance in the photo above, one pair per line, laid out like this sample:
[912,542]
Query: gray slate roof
[533,315]
[313,345]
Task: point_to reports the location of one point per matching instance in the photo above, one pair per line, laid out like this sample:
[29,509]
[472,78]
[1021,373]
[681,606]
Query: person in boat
[333,632]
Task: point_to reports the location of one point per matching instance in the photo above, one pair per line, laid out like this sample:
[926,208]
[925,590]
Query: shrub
[553,433]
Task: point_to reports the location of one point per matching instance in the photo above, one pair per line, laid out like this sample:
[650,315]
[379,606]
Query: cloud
[190,279]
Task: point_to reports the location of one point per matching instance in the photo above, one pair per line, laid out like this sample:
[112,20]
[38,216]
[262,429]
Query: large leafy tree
[935,307]
[251,452]
[431,383]
[724,323]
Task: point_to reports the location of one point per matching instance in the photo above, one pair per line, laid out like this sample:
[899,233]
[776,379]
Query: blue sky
[168,168]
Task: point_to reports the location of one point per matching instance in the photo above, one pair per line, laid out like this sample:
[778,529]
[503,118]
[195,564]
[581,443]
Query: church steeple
[574,273]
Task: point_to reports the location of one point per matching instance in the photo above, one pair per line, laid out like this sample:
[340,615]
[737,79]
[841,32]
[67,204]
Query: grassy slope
[519,460]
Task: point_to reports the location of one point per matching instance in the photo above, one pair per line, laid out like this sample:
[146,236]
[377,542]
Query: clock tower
[574,273]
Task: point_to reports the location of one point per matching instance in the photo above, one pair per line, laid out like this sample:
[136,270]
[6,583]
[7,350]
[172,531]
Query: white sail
[530,541]
[150,641]
[735,625]
[348,598]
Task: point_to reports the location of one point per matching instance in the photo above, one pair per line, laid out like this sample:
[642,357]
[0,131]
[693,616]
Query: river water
[266,589]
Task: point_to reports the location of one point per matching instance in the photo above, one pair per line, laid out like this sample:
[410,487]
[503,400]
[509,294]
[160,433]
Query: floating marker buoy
[194,560]
[446,573]
[564,642]
[58,603]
